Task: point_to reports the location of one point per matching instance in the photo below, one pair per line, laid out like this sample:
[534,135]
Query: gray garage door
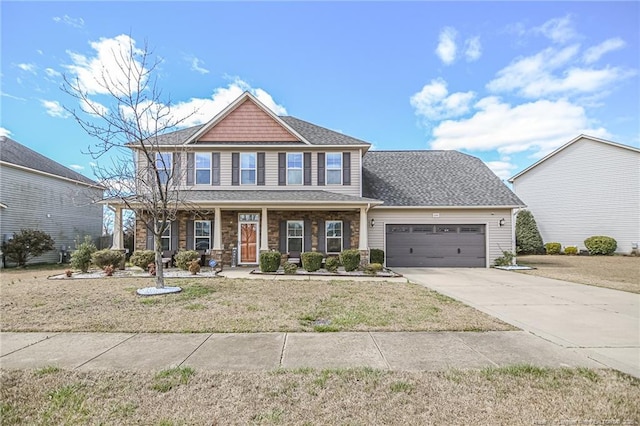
[435,245]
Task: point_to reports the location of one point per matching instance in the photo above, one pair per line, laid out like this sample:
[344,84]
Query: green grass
[166,380]
[50,369]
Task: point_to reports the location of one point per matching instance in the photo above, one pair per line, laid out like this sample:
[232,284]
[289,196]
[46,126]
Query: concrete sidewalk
[267,351]
[600,323]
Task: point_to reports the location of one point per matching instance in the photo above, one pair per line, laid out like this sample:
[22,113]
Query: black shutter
[175,232]
[346,235]
[150,236]
[282,168]
[215,168]
[190,242]
[261,168]
[307,235]
[307,168]
[235,168]
[322,246]
[346,168]
[191,169]
[283,236]
[321,169]
[176,173]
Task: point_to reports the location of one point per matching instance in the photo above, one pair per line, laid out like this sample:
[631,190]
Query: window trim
[301,237]
[301,168]
[166,235]
[162,167]
[327,169]
[196,169]
[327,237]
[196,236]
[255,168]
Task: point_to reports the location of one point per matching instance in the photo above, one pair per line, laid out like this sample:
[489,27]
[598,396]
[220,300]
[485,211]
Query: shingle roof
[433,178]
[15,153]
[316,135]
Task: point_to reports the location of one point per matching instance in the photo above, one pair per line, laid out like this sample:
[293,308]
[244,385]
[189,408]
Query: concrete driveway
[603,324]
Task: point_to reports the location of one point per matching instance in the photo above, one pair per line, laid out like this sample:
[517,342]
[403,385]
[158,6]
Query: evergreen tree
[528,239]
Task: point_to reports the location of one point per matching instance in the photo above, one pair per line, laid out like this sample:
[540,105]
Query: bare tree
[123,109]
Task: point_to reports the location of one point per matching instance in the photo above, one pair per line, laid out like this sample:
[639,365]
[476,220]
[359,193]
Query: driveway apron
[601,323]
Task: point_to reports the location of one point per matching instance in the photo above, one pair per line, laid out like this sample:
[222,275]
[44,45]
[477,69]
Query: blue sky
[505,81]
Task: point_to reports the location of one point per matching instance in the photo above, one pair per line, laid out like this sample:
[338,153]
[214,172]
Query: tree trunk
[159,266]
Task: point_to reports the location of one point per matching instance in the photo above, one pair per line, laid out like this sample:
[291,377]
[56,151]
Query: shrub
[27,243]
[506,259]
[553,248]
[290,268]
[331,264]
[373,268]
[81,258]
[601,245]
[377,256]
[106,257]
[194,266]
[571,250]
[270,261]
[312,261]
[350,259]
[142,258]
[184,257]
[528,239]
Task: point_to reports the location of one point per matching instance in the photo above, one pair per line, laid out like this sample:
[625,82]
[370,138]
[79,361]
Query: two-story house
[256,181]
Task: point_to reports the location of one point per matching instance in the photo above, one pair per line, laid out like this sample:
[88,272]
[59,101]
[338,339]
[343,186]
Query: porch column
[217,230]
[117,243]
[364,230]
[264,231]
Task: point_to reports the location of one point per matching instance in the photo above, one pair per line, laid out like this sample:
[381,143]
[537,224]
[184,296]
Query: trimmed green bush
[331,264]
[377,256]
[506,259]
[601,245]
[27,243]
[553,248]
[270,261]
[107,257]
[142,258]
[571,250]
[373,268]
[528,239]
[81,258]
[350,259]
[311,261]
[290,268]
[184,257]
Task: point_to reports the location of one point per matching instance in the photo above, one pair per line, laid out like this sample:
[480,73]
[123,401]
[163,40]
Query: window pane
[295,244]
[202,244]
[203,161]
[294,177]
[294,229]
[203,228]
[334,161]
[334,177]
[248,177]
[165,243]
[248,161]
[334,245]
[203,177]
[294,161]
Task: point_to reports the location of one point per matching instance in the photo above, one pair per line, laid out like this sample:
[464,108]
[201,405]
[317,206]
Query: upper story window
[248,168]
[334,168]
[202,234]
[164,165]
[203,169]
[294,169]
[295,235]
[334,236]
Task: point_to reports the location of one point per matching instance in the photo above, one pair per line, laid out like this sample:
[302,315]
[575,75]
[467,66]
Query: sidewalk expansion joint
[104,352]
[495,364]
[284,344]
[194,351]
[56,333]
[380,351]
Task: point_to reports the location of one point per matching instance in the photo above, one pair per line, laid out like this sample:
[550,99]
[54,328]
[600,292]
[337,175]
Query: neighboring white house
[38,193]
[586,187]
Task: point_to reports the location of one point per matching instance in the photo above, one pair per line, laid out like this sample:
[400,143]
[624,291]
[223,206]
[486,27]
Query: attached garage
[431,245]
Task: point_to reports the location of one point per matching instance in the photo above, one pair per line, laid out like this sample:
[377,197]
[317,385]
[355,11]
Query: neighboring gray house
[38,193]
[587,187]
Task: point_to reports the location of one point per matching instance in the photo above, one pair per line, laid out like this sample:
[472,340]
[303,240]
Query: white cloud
[68,20]
[503,169]
[594,53]
[447,48]
[52,73]
[540,126]
[27,68]
[76,167]
[473,49]
[54,109]
[5,132]
[434,102]
[196,65]
[558,30]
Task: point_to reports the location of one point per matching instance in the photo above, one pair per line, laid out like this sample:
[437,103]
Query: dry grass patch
[616,272]
[30,302]
[513,395]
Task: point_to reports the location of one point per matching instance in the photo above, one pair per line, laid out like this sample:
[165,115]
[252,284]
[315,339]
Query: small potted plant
[108,270]
[194,267]
[152,268]
[68,273]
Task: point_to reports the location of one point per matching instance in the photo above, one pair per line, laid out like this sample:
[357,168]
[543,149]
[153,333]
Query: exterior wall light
[373,222]
[501,222]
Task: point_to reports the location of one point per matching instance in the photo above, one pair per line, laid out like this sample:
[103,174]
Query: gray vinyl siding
[498,238]
[588,188]
[59,207]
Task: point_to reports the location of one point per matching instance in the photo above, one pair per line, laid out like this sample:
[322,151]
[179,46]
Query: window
[166,238]
[202,234]
[294,235]
[164,165]
[203,169]
[247,168]
[334,168]
[334,236]
[294,169]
